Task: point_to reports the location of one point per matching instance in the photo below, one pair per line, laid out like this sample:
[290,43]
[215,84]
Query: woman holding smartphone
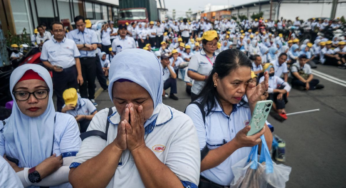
[221,117]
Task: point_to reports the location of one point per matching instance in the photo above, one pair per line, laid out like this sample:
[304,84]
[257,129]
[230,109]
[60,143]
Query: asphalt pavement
[315,141]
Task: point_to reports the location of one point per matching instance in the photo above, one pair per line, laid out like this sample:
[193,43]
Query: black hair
[59,23]
[39,27]
[225,62]
[282,54]
[43,24]
[254,57]
[79,17]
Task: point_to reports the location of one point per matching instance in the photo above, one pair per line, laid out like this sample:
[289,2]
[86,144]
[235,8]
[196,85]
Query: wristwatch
[34,176]
[84,45]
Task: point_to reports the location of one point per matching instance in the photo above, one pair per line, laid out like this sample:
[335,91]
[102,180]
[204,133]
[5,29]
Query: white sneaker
[93,101]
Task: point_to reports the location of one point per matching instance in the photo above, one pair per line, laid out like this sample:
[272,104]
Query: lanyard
[209,60]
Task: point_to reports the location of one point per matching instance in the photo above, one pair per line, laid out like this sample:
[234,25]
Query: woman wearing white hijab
[148,143]
[38,142]
[254,48]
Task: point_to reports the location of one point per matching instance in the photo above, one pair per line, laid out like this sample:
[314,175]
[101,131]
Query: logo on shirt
[159,148]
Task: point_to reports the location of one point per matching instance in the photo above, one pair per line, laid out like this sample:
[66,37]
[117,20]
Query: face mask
[271,74]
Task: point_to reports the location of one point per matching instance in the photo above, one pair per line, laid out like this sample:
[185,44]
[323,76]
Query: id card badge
[120,161]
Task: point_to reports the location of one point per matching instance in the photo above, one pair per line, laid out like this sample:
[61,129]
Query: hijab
[30,138]
[293,50]
[307,53]
[143,68]
[272,51]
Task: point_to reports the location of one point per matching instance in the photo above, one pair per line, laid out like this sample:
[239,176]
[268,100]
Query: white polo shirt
[150,31]
[166,73]
[306,68]
[200,63]
[280,69]
[106,37]
[173,140]
[182,27]
[217,130]
[61,54]
[160,30]
[43,38]
[275,82]
[120,44]
[86,108]
[255,67]
[115,30]
[177,62]
[143,34]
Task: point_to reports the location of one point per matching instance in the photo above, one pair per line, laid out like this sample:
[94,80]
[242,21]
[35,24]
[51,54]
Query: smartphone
[259,116]
[59,67]
[16,161]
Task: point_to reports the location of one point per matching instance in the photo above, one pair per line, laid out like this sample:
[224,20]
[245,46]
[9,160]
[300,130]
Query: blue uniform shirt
[86,37]
[61,54]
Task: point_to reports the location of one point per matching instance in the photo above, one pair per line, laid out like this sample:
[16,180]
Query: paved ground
[315,142]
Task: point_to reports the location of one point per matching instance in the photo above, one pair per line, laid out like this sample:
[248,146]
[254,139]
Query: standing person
[41,36]
[185,31]
[86,41]
[143,37]
[106,38]
[152,34]
[82,109]
[156,145]
[160,29]
[169,77]
[41,142]
[114,31]
[61,55]
[123,42]
[222,130]
[202,63]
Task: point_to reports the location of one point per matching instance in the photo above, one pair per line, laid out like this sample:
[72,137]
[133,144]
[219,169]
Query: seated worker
[306,49]
[330,57]
[280,66]
[175,61]
[16,54]
[111,54]
[302,75]
[257,64]
[105,63]
[180,49]
[163,48]
[341,51]
[169,77]
[80,108]
[277,90]
[197,48]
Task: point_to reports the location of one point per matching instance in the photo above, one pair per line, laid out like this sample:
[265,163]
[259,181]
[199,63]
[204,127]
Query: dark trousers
[185,39]
[152,41]
[89,74]
[105,48]
[158,41]
[171,83]
[193,97]
[280,103]
[330,61]
[62,81]
[313,83]
[99,74]
[142,44]
[194,34]
[205,183]
[84,124]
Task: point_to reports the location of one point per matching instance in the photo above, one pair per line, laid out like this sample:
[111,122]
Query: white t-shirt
[173,141]
[106,37]
[182,28]
[280,69]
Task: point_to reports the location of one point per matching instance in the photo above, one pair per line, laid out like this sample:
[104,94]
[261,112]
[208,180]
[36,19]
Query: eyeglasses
[25,95]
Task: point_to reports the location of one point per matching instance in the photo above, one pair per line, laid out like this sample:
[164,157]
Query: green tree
[242,17]
[257,16]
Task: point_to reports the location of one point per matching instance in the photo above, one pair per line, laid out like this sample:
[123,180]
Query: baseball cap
[87,23]
[174,51]
[70,96]
[165,56]
[122,26]
[210,35]
[301,56]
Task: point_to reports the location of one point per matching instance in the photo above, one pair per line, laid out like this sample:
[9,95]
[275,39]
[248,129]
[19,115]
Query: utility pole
[334,7]
[271,8]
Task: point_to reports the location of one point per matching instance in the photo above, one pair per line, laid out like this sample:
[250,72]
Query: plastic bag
[259,171]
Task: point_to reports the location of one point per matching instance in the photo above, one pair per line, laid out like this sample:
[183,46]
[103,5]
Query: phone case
[259,116]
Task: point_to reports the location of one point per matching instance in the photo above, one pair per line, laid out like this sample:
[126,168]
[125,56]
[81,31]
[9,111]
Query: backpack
[101,134]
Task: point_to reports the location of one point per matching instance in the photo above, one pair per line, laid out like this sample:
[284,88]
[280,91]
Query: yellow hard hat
[256,32]
[309,44]
[87,23]
[199,39]
[163,21]
[249,30]
[14,46]
[152,22]
[228,32]
[267,66]
[70,96]
[290,41]
[256,19]
[110,49]
[242,37]
[342,43]
[174,51]
[242,31]
[192,40]
[322,43]
[187,47]
[147,45]
[165,34]
[210,35]
[127,23]
[35,31]
[197,44]
[251,36]
[266,21]
[280,35]
[329,42]
[253,75]
[145,48]
[218,45]
[227,36]
[296,40]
